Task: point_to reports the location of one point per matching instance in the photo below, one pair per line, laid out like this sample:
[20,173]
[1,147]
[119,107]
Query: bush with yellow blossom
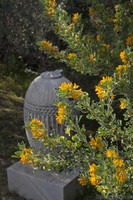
[105,158]
[95,39]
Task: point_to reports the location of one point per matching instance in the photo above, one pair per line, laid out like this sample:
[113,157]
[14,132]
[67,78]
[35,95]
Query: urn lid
[41,91]
[52,74]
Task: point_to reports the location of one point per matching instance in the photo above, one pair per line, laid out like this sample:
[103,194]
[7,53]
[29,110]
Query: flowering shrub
[105,158]
[93,44]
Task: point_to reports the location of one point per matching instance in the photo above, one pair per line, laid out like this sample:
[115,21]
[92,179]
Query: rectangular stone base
[42,185]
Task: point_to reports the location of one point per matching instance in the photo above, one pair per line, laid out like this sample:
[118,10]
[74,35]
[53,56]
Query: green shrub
[105,158]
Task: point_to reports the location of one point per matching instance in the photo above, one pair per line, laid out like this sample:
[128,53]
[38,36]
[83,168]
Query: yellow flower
[71,55]
[76,37]
[118,162]
[121,174]
[129,41]
[111,51]
[62,114]
[122,56]
[25,156]
[76,94]
[98,37]
[97,143]
[59,104]
[75,17]
[59,119]
[123,103]
[75,86]
[47,45]
[93,179]
[36,122]
[93,142]
[71,89]
[92,168]
[106,45]
[111,153]
[105,79]
[100,92]
[66,86]
[116,7]
[50,7]
[82,180]
[103,92]
[36,129]
[119,68]
[50,13]
[113,96]
[91,58]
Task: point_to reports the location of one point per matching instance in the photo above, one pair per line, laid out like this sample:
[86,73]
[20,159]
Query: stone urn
[39,104]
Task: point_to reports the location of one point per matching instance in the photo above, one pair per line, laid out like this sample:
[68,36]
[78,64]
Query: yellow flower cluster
[100,92]
[122,56]
[71,90]
[111,153]
[36,129]
[25,156]
[82,180]
[118,162]
[129,41]
[121,172]
[47,45]
[97,143]
[75,17]
[106,45]
[98,37]
[116,7]
[114,20]
[106,79]
[71,56]
[50,7]
[94,179]
[122,104]
[103,92]
[120,68]
[62,113]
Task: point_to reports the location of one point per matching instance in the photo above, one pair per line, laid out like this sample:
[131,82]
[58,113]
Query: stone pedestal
[42,185]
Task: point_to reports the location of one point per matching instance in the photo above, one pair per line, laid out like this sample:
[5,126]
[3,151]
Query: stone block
[42,185]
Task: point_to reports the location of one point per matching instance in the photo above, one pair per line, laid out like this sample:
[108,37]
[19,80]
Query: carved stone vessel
[39,103]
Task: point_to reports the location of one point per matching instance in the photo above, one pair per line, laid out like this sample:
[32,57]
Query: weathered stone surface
[42,185]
